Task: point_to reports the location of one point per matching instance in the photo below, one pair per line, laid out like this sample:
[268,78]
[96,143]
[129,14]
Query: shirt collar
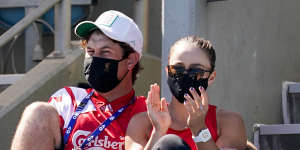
[99,100]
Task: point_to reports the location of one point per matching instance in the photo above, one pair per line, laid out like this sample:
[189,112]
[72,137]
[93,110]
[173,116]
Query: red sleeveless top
[210,122]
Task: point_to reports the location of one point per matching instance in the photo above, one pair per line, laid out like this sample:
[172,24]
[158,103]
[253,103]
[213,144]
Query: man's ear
[133,59]
[212,78]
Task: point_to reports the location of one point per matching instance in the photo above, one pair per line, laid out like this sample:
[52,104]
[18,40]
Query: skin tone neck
[178,114]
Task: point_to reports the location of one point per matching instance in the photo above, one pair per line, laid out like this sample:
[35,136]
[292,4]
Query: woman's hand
[197,108]
[157,110]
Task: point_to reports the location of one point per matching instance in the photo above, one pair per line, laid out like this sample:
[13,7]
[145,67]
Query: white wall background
[257,47]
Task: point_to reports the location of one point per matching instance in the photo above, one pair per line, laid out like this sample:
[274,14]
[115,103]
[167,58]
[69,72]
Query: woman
[191,69]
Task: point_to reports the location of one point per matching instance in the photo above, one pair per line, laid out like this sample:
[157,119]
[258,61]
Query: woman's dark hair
[201,43]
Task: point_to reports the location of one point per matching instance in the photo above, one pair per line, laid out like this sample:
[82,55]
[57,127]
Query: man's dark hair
[127,50]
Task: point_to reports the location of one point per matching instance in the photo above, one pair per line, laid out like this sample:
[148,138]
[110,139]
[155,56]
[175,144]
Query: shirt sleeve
[63,103]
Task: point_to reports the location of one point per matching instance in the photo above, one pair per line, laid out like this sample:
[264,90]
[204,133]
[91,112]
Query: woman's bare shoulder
[223,114]
[139,122]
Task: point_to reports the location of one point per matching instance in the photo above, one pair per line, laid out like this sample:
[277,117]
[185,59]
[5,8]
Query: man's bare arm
[136,134]
[38,128]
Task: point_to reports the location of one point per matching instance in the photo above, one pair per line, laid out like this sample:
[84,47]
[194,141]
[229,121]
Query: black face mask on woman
[101,73]
[180,84]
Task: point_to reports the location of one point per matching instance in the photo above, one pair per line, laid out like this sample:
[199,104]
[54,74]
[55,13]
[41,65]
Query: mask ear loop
[210,74]
[124,76]
[127,69]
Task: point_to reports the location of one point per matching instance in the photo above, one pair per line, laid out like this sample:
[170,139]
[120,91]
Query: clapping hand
[157,110]
[197,108]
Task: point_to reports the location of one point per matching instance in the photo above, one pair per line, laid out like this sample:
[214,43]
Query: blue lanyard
[100,128]
[105,124]
[76,114]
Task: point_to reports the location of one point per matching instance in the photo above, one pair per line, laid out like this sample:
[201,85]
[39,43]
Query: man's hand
[157,110]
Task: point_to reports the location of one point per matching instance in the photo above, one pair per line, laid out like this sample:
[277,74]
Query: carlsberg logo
[102,144]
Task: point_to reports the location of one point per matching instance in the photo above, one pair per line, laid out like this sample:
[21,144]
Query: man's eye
[106,52]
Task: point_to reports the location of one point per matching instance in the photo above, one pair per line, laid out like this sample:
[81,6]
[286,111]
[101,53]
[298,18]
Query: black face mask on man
[101,73]
[179,85]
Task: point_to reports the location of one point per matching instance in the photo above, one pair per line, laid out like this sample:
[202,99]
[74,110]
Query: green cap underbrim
[84,29]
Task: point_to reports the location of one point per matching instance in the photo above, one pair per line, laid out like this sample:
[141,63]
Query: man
[95,118]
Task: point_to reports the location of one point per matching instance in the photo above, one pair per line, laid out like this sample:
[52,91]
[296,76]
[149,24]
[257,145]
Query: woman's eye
[179,68]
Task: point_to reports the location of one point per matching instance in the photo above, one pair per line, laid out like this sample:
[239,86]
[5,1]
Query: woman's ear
[133,59]
[212,78]
[166,69]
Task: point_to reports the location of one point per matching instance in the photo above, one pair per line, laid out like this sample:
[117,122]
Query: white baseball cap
[116,26]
